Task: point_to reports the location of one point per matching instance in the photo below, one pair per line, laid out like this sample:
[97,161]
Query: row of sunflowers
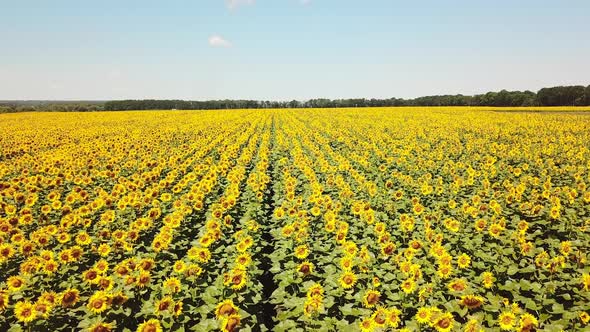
[382,219]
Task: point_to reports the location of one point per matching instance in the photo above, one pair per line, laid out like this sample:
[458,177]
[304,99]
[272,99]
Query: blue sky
[288,49]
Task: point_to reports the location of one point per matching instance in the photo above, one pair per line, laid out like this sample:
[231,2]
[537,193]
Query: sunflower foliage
[383,219]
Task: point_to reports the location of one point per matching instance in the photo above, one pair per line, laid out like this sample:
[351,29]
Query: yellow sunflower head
[371,298]
[24,311]
[423,315]
[347,279]
[506,320]
[152,325]
[230,323]
[225,309]
[101,327]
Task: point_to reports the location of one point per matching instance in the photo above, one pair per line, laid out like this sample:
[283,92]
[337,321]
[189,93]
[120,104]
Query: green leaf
[512,270]
[557,308]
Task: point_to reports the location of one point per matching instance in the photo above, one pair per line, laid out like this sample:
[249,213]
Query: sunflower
[146,264]
[102,266]
[27,248]
[584,317]
[495,230]
[143,279]
[244,259]
[528,322]
[4,300]
[367,325]
[415,245]
[91,276]
[565,248]
[445,259]
[279,213]
[312,306]
[407,223]
[555,212]
[63,238]
[340,237]
[241,246]
[98,302]
[480,225]
[206,240]
[316,290]
[471,301]
[50,267]
[408,286]
[173,284]
[350,248]
[346,263]
[42,308]
[306,268]
[6,252]
[101,327]
[15,283]
[452,224]
[24,311]
[507,319]
[106,283]
[76,253]
[393,317]
[330,226]
[69,297]
[165,304]
[376,282]
[443,322]
[488,279]
[238,278]
[380,316]
[347,279]
[463,261]
[371,298]
[230,323]
[287,231]
[10,209]
[472,326]
[193,270]
[457,285]
[104,250]
[225,309]
[364,255]
[388,248]
[423,315]
[526,247]
[586,281]
[178,308]
[152,325]
[119,298]
[121,269]
[248,241]
[301,251]
[202,255]
[83,239]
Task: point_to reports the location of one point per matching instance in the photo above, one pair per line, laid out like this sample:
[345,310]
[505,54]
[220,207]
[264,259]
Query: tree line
[576,95]
[17,106]
[554,96]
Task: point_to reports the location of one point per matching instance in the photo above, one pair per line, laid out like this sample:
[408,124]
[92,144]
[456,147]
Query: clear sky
[288,49]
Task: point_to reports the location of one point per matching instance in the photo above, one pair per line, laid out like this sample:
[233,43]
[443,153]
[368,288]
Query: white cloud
[218,41]
[233,4]
[304,2]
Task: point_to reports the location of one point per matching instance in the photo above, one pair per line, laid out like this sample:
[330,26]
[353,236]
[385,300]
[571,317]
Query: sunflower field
[382,219]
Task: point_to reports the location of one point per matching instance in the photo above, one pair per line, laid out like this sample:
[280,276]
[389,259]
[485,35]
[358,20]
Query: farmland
[373,219]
